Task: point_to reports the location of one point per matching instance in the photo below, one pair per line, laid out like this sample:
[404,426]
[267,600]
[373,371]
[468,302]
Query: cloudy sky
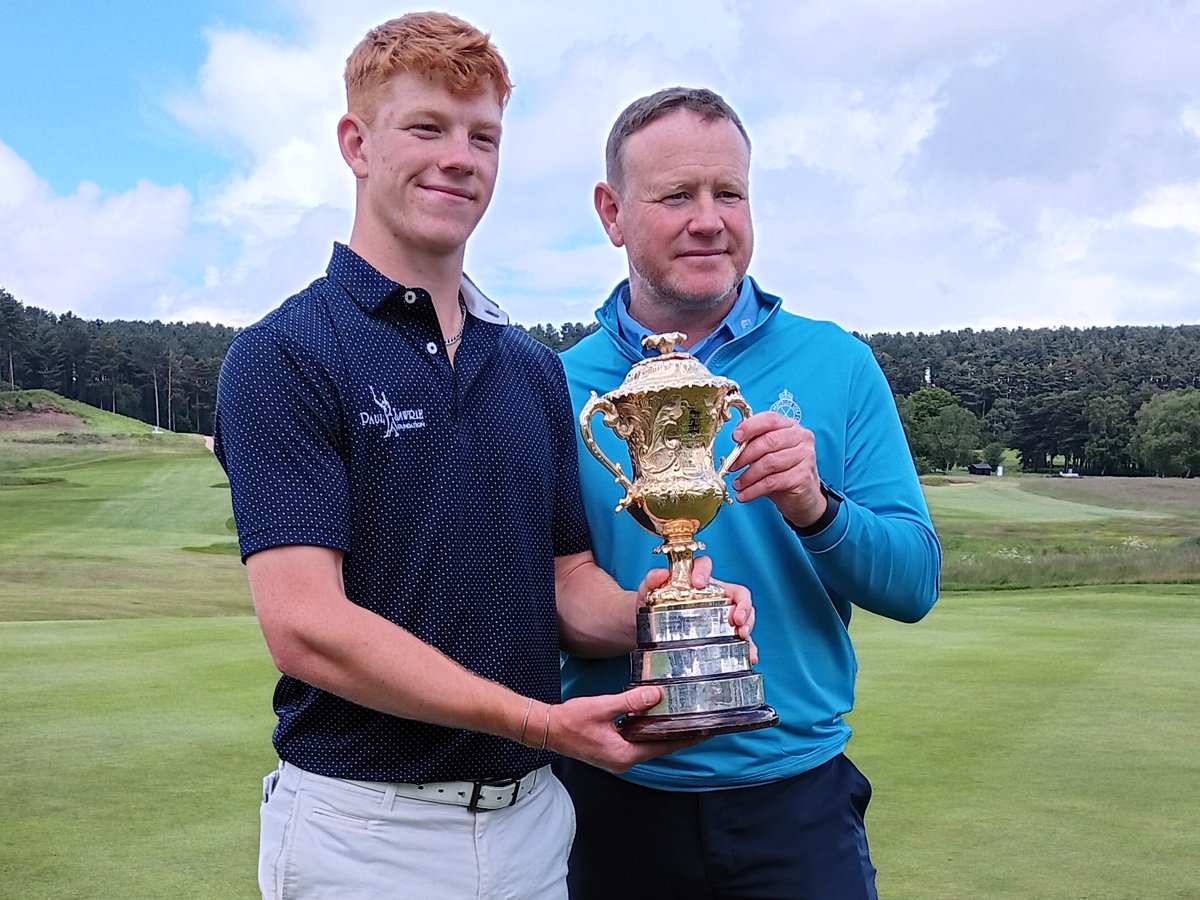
[918,166]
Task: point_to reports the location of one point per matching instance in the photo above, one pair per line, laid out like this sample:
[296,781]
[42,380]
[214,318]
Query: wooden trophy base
[688,726]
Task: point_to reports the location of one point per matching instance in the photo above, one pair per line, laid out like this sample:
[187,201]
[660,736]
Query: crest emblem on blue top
[786,405]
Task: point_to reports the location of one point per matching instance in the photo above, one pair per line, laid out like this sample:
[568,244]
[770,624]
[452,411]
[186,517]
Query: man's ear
[352,140]
[608,207]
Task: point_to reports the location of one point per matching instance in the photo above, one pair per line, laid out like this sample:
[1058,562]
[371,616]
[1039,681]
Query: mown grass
[1023,743]
[134,685]
[1030,744]
[131,755]
[106,530]
[1034,744]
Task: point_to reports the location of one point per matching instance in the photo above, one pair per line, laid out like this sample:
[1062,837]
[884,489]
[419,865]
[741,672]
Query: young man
[404,480]
[830,515]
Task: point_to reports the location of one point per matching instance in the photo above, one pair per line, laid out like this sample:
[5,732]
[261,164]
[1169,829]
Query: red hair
[429,43]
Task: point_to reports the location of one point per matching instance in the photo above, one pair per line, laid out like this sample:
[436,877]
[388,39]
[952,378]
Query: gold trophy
[669,410]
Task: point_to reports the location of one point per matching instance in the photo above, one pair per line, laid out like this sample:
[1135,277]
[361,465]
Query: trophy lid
[671,370]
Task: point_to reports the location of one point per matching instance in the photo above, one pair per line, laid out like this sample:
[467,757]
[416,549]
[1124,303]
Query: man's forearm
[316,634]
[367,660]
[596,617]
[888,566]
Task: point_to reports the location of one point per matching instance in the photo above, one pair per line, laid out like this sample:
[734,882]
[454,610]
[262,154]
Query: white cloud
[1176,206]
[91,251]
[1171,206]
[1190,119]
[254,92]
[19,184]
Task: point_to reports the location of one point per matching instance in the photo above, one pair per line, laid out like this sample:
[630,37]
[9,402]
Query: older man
[830,516]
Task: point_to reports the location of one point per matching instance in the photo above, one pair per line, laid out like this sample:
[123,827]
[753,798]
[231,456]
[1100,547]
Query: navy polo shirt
[450,490]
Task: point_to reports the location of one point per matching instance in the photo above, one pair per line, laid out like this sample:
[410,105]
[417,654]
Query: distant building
[979,469]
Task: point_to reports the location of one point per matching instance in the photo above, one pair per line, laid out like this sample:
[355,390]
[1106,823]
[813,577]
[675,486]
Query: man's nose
[456,152]
[706,216]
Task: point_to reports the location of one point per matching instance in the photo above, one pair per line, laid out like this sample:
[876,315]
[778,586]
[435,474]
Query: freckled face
[429,165]
[684,211]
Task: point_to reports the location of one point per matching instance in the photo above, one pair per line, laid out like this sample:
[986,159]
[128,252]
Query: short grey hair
[709,105]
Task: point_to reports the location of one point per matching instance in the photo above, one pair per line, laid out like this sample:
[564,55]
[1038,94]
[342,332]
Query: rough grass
[1170,496]
[97,422]
[1029,532]
[42,448]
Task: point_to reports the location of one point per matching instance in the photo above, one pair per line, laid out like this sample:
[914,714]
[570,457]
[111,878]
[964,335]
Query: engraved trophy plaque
[669,411]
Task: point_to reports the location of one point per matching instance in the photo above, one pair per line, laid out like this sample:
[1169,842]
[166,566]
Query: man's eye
[426,127]
[487,139]
[678,197]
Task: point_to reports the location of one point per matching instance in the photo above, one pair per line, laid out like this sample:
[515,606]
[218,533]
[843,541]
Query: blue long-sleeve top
[880,552]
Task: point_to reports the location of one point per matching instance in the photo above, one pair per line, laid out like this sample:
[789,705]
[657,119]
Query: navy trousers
[802,838]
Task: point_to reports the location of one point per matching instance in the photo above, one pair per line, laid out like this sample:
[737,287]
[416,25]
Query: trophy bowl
[669,411]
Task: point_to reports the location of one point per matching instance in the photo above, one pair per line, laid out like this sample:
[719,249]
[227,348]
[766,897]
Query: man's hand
[780,462]
[584,728]
[741,611]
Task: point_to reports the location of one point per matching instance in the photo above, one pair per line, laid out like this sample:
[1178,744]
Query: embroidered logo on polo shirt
[786,405]
[394,420]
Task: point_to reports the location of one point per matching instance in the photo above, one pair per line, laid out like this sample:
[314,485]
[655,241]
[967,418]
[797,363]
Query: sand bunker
[44,420]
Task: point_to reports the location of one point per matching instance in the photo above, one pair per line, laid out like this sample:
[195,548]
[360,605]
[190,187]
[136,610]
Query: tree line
[163,374]
[1116,400]
[1121,400]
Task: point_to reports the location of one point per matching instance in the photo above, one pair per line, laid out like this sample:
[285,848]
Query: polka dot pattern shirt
[450,490]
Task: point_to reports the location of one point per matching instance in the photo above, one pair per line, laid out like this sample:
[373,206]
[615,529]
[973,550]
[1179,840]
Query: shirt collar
[371,289]
[742,316]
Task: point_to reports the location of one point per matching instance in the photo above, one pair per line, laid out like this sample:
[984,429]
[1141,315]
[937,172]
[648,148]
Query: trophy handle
[602,405]
[729,403]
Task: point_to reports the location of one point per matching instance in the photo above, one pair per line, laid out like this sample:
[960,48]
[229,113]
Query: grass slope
[33,433]
[111,528]
[97,421]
